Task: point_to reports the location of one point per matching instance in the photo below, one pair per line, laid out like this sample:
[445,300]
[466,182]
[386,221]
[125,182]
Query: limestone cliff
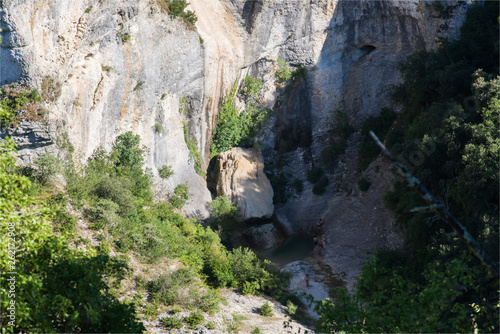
[110,66]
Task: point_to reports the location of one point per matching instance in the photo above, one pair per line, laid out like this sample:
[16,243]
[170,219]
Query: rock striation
[107,67]
[240,176]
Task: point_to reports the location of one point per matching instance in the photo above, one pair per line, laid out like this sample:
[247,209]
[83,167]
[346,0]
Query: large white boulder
[240,176]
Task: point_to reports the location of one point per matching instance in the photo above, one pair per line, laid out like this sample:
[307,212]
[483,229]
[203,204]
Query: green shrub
[166,171]
[319,187]
[209,301]
[151,310]
[164,290]
[380,125]
[175,310]
[125,37]
[158,128]
[266,310]
[117,190]
[176,8]
[291,307]
[172,322]
[194,319]
[183,106]
[148,242]
[103,215]
[314,174]
[6,115]
[139,85]
[341,132]
[45,167]
[182,190]
[255,276]
[251,87]
[256,331]
[194,154]
[58,199]
[298,184]
[299,73]
[210,325]
[257,146]
[283,73]
[279,182]
[363,184]
[180,196]
[224,213]
[11,101]
[106,68]
[127,150]
[140,282]
[64,221]
[330,154]
[236,129]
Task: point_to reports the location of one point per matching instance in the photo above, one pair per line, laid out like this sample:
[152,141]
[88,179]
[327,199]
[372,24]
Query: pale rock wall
[349,48]
[354,73]
[240,177]
[102,86]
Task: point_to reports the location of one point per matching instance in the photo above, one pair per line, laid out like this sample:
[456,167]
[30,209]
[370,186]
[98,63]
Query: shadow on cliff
[358,62]
[294,127]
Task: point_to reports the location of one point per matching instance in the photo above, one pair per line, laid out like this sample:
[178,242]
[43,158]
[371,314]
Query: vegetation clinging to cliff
[57,288]
[447,134]
[238,128]
[381,124]
[176,8]
[337,143]
[115,195]
[18,103]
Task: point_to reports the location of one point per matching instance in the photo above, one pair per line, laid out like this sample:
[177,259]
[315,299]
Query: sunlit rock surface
[240,177]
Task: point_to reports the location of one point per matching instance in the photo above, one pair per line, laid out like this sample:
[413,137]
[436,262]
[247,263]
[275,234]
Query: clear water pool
[295,248]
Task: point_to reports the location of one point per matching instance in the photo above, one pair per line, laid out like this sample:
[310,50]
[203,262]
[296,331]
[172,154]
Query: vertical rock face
[107,67]
[240,176]
[357,64]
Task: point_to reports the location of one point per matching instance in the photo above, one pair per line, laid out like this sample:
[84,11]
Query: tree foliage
[283,73]
[57,288]
[235,128]
[176,8]
[447,134]
[380,125]
[64,289]
[224,213]
[337,145]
